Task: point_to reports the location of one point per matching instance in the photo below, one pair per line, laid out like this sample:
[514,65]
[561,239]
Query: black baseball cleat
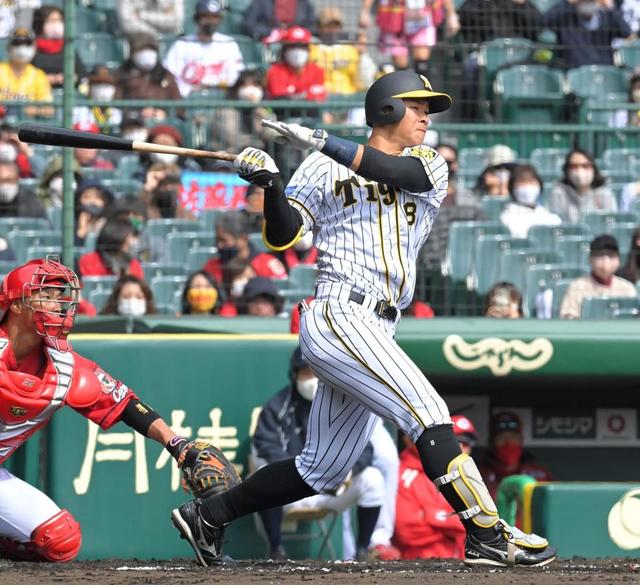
[206,540]
[508,550]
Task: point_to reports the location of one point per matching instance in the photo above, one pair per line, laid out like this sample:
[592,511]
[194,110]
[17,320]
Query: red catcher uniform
[425,524]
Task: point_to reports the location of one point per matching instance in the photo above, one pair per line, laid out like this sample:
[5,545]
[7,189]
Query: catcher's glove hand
[205,470]
[257,167]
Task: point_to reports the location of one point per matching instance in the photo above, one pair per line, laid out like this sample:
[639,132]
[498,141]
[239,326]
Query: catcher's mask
[51,291]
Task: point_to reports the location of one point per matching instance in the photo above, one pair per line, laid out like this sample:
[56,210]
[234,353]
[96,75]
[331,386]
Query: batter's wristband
[341,150]
[175,445]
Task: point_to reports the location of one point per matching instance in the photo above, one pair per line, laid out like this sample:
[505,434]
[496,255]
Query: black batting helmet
[383,103]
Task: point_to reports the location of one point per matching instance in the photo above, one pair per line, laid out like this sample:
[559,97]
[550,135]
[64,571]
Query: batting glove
[298,136]
[256,167]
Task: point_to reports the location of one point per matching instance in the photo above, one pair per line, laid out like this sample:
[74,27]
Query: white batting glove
[256,167]
[298,136]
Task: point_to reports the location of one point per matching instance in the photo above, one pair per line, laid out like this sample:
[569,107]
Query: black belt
[382,309]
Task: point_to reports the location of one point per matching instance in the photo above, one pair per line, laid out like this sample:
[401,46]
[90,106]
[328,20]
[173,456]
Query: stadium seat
[97,283]
[559,287]
[574,250]
[123,187]
[303,276]
[602,222]
[21,241]
[198,257]
[627,55]
[34,252]
[251,50]
[607,307]
[154,269]
[101,49]
[164,287]
[99,174]
[529,93]
[258,243]
[513,265]
[463,236]
[541,277]
[493,206]
[623,232]
[488,250]
[597,80]
[603,110]
[548,162]
[161,228]
[544,5]
[90,20]
[179,244]
[471,162]
[544,237]
[98,298]
[9,224]
[7,266]
[127,166]
[621,164]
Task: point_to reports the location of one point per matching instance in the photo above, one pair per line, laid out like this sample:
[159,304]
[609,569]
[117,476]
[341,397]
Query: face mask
[53,30]
[164,157]
[635,95]
[22,53]
[132,307]
[581,177]
[207,29]
[93,210]
[227,254]
[304,243]
[136,135]
[251,93]
[8,153]
[237,286]
[103,92]
[527,194]
[586,9]
[296,57]
[307,388]
[8,192]
[146,59]
[55,188]
[509,454]
[202,300]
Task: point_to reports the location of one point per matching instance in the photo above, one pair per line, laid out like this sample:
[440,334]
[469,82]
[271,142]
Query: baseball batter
[370,209]
[39,373]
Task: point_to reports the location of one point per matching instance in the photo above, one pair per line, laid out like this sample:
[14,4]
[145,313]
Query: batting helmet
[383,103]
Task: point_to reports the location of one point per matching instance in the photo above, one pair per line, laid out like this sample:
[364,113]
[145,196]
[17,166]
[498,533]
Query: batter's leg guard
[57,539]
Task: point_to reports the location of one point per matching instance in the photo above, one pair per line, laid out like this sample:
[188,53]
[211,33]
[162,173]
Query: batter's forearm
[282,221]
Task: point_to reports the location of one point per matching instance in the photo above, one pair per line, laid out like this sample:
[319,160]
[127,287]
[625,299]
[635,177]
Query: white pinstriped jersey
[368,234]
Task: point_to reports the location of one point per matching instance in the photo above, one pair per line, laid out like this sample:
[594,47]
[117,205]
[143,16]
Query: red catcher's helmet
[45,273]
[296,35]
[464,429]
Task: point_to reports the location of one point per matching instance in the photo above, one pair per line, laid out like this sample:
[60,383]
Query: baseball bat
[54,136]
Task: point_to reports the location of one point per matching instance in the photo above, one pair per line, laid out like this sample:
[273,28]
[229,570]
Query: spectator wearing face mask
[585,31]
[293,76]
[232,129]
[48,26]
[20,80]
[131,297]
[92,202]
[13,150]
[581,189]
[142,76]
[150,17]
[254,209]
[50,188]
[16,201]
[604,258]
[166,135]
[102,89]
[261,298]
[154,175]
[202,296]
[525,211]
[113,254]
[208,58]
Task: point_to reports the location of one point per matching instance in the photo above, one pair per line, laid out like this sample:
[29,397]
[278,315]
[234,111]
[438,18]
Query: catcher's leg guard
[58,539]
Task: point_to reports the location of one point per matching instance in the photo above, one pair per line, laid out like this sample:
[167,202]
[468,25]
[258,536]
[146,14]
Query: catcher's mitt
[205,469]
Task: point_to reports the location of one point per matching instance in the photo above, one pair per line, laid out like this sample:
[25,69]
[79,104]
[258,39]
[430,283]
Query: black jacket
[260,19]
[26,204]
[483,21]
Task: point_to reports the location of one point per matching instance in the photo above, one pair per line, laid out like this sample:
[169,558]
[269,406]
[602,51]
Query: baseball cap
[464,429]
[168,130]
[21,35]
[505,421]
[260,285]
[500,154]
[296,35]
[87,127]
[209,7]
[330,14]
[602,244]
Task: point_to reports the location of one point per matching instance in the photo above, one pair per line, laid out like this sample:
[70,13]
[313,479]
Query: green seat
[91,284]
[560,287]
[155,269]
[34,252]
[628,55]
[574,250]
[472,161]
[488,250]
[7,266]
[607,307]
[513,265]
[542,277]
[21,241]
[198,257]
[99,298]
[10,224]
[463,236]
[493,206]
[602,222]
[90,20]
[251,50]
[123,187]
[127,166]
[161,228]
[544,5]
[100,49]
[548,162]
[530,94]
[165,287]
[544,237]
[603,109]
[258,243]
[179,244]
[623,233]
[594,81]
[303,276]
[99,174]
[621,164]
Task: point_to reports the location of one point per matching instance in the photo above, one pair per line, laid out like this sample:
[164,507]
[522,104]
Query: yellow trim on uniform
[384,259]
[412,411]
[526,513]
[304,207]
[404,273]
[280,248]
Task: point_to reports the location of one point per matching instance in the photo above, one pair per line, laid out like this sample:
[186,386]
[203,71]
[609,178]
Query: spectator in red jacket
[294,77]
[113,252]
[426,526]
[506,455]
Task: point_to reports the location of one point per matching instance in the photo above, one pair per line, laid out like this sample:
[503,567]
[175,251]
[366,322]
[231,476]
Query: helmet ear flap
[389,111]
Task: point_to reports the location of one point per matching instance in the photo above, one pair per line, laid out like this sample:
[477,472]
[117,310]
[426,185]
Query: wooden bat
[54,136]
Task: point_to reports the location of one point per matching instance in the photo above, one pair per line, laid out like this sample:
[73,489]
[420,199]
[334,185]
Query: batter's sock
[367,518]
[272,522]
[437,447]
[274,485]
